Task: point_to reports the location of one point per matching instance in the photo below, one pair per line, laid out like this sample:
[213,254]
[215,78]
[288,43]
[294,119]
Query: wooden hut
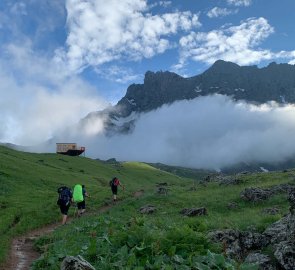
[70,149]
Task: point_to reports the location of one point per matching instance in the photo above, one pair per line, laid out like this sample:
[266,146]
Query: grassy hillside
[29,182]
[122,237]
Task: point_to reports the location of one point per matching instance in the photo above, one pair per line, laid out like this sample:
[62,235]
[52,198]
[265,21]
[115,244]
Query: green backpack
[78,194]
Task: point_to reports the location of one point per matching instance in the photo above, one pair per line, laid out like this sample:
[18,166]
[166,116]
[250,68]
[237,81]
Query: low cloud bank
[207,132]
[39,98]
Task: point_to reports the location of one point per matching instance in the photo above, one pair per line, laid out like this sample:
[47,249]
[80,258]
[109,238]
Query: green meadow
[122,237]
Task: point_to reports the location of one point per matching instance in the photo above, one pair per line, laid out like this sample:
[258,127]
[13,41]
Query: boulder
[191,212]
[285,254]
[75,263]
[282,230]
[255,194]
[230,242]
[261,260]
[232,205]
[147,209]
[162,190]
[271,211]
[236,244]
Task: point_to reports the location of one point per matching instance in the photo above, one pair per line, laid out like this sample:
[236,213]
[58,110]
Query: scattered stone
[259,194]
[261,260]
[255,194]
[285,254]
[147,209]
[271,211]
[236,244]
[282,230]
[162,190]
[191,212]
[75,263]
[232,205]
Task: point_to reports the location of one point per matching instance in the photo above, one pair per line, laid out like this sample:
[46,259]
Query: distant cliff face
[275,82]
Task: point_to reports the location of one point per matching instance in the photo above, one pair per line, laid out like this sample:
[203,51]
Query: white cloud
[240,2]
[220,12]
[164,4]
[104,31]
[118,74]
[19,8]
[239,44]
[38,98]
[207,132]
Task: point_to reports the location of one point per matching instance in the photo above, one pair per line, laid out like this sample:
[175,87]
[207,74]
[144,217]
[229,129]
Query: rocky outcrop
[255,194]
[237,244]
[232,205]
[279,236]
[285,254]
[282,230]
[191,212]
[261,260]
[75,263]
[147,209]
[162,190]
[271,211]
[274,82]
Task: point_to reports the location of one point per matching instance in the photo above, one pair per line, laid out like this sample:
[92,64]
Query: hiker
[64,201]
[80,194]
[114,183]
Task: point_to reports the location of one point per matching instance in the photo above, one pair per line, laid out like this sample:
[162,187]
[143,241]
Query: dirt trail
[22,252]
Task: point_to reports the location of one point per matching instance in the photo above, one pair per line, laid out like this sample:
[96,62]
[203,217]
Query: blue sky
[86,52]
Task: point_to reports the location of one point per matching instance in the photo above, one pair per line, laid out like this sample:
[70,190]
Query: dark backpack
[114,182]
[64,196]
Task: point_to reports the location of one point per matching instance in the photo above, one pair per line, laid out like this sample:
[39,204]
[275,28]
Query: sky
[62,59]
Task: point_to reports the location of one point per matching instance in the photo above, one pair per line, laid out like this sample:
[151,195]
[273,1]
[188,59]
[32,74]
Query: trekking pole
[75,211]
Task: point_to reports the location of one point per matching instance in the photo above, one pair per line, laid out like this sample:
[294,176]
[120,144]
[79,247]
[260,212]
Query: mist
[208,132]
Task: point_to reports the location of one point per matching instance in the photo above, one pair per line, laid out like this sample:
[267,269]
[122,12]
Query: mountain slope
[29,182]
[276,82]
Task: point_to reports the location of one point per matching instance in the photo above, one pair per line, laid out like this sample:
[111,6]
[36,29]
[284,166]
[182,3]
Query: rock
[263,261]
[285,254]
[162,190]
[75,263]
[282,188]
[253,240]
[236,244]
[230,242]
[147,209]
[232,205]
[282,230]
[259,194]
[191,212]
[255,194]
[271,211]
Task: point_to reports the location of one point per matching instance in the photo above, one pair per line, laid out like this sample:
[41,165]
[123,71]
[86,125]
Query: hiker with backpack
[114,183]
[64,201]
[79,196]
